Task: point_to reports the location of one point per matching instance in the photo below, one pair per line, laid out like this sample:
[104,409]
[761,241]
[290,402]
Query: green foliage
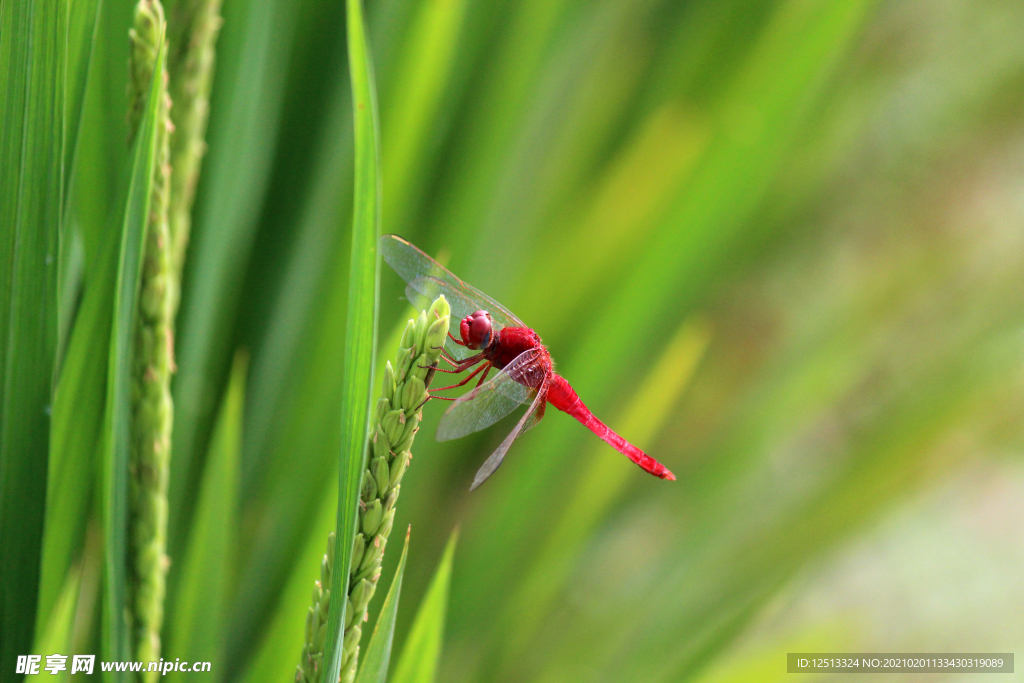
[773,242]
[76,427]
[393,426]
[153,354]
[360,347]
[422,650]
[56,636]
[117,429]
[195,24]
[33,60]
[424,69]
[374,668]
[285,633]
[253,50]
[77,414]
[198,616]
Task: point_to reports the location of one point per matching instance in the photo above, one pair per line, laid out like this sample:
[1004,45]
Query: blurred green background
[777,245]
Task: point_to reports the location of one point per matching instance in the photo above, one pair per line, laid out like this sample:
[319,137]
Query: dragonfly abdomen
[562,396]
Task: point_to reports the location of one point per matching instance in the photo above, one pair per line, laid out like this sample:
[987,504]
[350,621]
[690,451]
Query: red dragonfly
[500,340]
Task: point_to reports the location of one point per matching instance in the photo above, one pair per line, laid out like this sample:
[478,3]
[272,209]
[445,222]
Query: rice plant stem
[192,27]
[393,427]
[152,410]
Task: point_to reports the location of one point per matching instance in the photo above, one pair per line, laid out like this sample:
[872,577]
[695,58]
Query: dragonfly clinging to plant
[491,337]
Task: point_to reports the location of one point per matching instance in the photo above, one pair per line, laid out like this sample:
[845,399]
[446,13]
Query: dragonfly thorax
[510,342]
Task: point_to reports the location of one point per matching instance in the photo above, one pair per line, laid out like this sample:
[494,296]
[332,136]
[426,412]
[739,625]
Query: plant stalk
[393,427]
[152,362]
[192,27]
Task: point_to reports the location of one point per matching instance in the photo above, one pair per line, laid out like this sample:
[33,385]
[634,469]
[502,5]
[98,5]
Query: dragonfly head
[476,329]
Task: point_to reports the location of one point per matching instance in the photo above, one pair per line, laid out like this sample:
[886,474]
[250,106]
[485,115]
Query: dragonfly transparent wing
[427,279]
[422,291]
[528,420]
[489,402]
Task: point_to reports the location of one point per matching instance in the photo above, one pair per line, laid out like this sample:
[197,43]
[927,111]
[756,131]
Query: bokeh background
[778,245]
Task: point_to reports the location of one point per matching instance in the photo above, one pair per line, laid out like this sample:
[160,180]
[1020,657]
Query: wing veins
[412,263]
[495,459]
[488,403]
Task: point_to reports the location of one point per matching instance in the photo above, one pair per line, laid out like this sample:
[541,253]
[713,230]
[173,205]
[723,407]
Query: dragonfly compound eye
[476,330]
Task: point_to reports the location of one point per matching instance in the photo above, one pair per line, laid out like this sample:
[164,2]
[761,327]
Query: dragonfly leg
[430,394]
[450,372]
[485,366]
[462,365]
[444,354]
[448,356]
[450,361]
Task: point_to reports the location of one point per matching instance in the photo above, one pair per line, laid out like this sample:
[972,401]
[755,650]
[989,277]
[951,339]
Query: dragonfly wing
[489,402]
[413,264]
[422,291]
[529,419]
[535,418]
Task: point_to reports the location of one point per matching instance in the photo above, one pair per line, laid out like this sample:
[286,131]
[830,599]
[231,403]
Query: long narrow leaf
[252,53]
[361,327]
[374,668]
[283,638]
[422,650]
[115,643]
[55,633]
[274,659]
[102,162]
[197,616]
[77,419]
[409,121]
[81,36]
[76,428]
[82,27]
[33,55]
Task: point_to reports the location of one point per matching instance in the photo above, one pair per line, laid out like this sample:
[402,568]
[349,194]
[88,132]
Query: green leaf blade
[245,109]
[55,633]
[33,58]
[76,429]
[78,404]
[274,656]
[409,122]
[422,650]
[198,615]
[284,635]
[374,668]
[82,28]
[361,325]
[115,642]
